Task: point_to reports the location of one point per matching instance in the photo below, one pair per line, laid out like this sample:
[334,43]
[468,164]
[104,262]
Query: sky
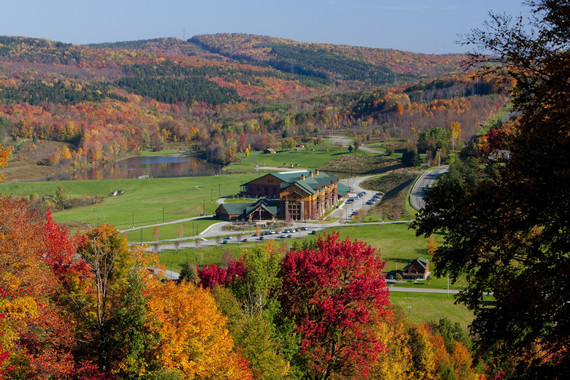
[423,26]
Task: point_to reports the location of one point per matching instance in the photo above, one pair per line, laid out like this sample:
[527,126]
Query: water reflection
[151,167]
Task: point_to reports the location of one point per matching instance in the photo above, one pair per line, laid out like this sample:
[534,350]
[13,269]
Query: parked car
[244,240]
[225,241]
[289,236]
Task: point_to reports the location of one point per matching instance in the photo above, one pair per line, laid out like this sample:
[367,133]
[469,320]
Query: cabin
[417,269]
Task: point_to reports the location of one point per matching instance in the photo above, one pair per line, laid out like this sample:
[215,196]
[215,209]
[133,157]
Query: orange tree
[193,339]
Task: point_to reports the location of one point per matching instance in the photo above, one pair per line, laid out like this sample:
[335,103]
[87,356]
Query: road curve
[425,181]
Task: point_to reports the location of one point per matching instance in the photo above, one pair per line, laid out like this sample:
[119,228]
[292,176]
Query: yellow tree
[455,130]
[431,245]
[194,339]
[423,356]
[65,153]
[396,362]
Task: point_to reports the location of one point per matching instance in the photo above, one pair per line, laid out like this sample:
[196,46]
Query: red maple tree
[336,294]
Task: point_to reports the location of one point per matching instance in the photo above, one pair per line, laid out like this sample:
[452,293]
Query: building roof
[247,208]
[420,260]
[235,208]
[342,190]
[309,184]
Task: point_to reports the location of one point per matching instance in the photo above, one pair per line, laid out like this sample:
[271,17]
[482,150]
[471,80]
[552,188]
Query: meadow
[424,307]
[144,202]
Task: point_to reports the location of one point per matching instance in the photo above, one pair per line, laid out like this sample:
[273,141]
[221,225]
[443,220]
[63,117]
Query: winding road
[425,181]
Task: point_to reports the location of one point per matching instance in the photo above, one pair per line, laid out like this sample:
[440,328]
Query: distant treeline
[174,90]
[38,92]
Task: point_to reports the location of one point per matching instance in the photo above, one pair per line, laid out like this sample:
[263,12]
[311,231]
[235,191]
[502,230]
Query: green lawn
[427,307]
[396,242]
[145,201]
[307,158]
[170,231]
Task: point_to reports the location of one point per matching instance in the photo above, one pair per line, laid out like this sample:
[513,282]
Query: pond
[145,167]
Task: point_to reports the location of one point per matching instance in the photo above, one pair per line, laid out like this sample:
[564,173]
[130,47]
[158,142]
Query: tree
[253,336]
[4,156]
[194,340]
[431,244]
[508,232]
[116,290]
[433,139]
[410,157]
[335,294]
[455,132]
[423,355]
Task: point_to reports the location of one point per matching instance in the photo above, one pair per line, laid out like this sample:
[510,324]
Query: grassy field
[145,201]
[170,231]
[306,158]
[431,307]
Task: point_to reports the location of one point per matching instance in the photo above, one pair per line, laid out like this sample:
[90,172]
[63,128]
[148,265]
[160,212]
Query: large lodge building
[299,195]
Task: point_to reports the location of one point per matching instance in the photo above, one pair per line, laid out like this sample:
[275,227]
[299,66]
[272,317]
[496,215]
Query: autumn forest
[221,94]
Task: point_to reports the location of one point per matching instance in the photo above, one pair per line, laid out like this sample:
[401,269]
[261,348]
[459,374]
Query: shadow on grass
[398,260]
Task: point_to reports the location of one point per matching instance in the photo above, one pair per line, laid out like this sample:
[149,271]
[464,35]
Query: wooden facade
[302,194]
[416,269]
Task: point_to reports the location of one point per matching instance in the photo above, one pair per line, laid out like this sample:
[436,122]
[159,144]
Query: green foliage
[451,333]
[432,140]
[131,339]
[173,90]
[38,92]
[321,63]
[188,272]
[255,289]
[410,157]
[254,337]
